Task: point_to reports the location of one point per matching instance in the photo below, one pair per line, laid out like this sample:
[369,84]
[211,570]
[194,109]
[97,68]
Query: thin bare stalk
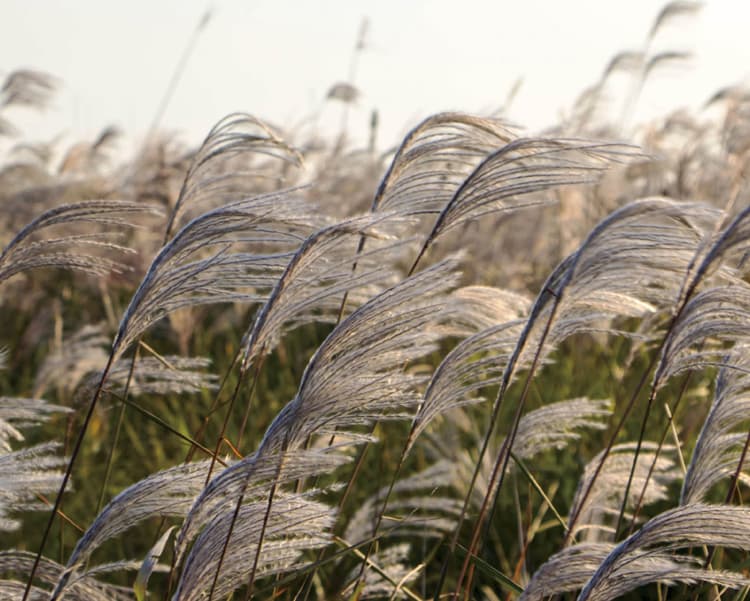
[68,471]
[501,463]
[670,424]
[118,427]
[251,397]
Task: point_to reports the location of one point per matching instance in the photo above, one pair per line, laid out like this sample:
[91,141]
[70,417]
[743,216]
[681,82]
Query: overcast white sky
[278,58]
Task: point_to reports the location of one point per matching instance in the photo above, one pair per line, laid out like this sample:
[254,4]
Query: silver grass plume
[213,177]
[712,319]
[24,474]
[252,477]
[48,573]
[17,414]
[66,367]
[434,158]
[372,346]
[519,169]
[169,493]
[318,276]
[566,571]
[76,368]
[685,526]
[595,506]
[197,266]
[294,524]
[672,11]
[491,316]
[169,374]
[82,252]
[390,571]
[482,307]
[552,426]
[632,262]
[713,300]
[719,447]
[556,425]
[711,251]
[27,87]
[417,511]
[570,569]
[475,363]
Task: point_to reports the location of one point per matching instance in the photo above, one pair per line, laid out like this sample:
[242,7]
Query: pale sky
[277,59]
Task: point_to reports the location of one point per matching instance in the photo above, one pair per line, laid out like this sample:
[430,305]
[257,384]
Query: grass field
[480,365]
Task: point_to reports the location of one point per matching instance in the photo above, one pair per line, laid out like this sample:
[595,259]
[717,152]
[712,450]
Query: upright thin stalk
[68,470]
[501,464]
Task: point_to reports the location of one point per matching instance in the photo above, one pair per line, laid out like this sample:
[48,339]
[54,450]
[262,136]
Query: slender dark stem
[652,467]
[251,396]
[573,520]
[381,513]
[227,415]
[68,471]
[501,463]
[118,428]
[732,489]
[634,463]
[237,507]
[178,72]
[266,517]
[214,405]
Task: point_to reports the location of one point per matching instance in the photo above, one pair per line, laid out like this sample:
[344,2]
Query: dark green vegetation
[481,365]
